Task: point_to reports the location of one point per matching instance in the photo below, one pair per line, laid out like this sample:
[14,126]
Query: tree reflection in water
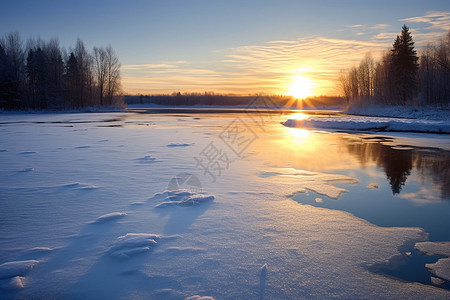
[397,162]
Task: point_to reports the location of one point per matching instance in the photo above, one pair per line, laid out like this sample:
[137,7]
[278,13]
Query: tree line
[40,74]
[401,77]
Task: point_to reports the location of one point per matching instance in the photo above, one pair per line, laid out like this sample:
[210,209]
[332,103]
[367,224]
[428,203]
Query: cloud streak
[271,67]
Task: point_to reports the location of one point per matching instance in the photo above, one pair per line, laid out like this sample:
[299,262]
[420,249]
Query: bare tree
[107,72]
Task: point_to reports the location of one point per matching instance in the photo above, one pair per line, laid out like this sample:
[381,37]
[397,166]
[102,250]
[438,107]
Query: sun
[301,87]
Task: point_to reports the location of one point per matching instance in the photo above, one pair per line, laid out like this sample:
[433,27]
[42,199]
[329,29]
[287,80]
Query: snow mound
[197,297]
[133,243]
[301,181]
[109,217]
[371,124]
[16,268]
[182,198]
[79,186]
[13,283]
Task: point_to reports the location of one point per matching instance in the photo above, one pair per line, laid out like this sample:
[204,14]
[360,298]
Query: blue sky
[228,46]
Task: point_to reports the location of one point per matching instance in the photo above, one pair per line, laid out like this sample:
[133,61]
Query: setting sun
[301,87]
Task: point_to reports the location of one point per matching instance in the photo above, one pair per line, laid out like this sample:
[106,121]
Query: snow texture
[13,283]
[197,297]
[311,252]
[110,217]
[424,113]
[182,197]
[371,124]
[133,243]
[16,268]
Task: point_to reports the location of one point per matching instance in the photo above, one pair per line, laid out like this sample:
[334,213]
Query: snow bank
[109,217]
[300,181]
[371,124]
[182,198]
[429,113]
[133,243]
[16,268]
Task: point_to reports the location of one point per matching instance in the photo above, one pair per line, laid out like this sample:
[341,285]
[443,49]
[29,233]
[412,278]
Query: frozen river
[221,204]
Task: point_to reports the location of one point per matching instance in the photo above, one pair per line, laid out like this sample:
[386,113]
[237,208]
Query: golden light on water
[298,116]
[301,87]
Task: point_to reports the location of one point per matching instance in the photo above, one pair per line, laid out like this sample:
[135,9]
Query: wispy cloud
[435,19]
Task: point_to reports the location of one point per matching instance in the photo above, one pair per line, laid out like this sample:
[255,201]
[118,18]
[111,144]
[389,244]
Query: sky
[240,47]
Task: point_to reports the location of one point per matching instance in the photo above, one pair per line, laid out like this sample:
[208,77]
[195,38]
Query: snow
[16,268]
[197,297]
[13,283]
[371,124]
[181,197]
[245,239]
[133,243]
[110,217]
[409,112]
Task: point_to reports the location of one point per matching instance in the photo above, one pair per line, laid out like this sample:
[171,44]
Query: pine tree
[71,80]
[404,66]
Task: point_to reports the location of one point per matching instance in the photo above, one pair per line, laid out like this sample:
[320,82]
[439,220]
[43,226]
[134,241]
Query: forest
[402,76]
[40,74]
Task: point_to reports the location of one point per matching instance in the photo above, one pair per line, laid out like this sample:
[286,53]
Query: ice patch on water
[182,197]
[133,243]
[434,248]
[441,268]
[373,185]
[301,181]
[109,217]
[437,281]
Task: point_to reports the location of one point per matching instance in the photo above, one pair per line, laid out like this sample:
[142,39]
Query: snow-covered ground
[98,206]
[408,112]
